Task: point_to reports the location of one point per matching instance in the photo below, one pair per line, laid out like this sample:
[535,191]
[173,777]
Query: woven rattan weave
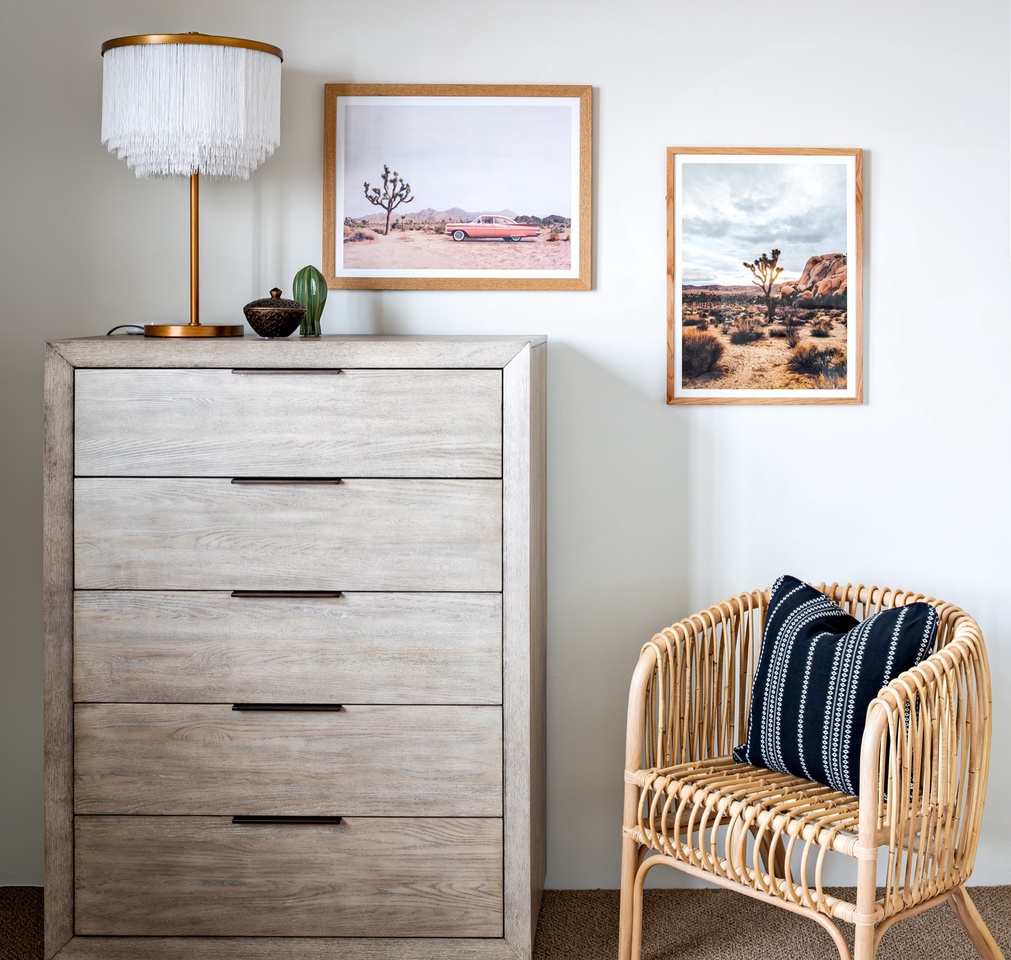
[911,835]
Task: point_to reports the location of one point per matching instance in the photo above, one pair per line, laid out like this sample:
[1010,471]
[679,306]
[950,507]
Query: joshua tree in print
[766,274]
[394,192]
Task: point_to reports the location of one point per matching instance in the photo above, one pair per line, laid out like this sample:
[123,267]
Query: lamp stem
[194,328]
[194,249]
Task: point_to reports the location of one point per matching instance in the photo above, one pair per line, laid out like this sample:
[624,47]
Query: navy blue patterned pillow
[818,670]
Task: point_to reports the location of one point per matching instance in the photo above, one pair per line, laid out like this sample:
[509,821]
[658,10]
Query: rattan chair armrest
[643,678]
[924,757]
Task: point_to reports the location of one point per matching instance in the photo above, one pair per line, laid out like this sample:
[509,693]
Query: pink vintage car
[488,227]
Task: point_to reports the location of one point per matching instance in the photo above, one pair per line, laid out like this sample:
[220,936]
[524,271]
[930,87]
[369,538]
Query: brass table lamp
[191,105]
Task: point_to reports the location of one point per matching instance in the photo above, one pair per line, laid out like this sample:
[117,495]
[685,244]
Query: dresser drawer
[201,647]
[359,534]
[364,877]
[210,759]
[371,423]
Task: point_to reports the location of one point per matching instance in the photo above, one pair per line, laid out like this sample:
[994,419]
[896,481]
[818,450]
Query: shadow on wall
[618,570]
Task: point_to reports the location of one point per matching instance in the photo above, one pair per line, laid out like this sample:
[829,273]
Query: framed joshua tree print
[454,186]
[764,275]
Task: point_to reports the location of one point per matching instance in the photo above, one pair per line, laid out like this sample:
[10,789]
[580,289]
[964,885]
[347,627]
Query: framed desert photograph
[457,186]
[764,249]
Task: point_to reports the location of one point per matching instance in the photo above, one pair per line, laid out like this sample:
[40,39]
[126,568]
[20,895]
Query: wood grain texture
[389,352]
[287,948]
[136,617]
[204,876]
[57,625]
[356,423]
[198,647]
[193,534]
[538,640]
[524,579]
[189,759]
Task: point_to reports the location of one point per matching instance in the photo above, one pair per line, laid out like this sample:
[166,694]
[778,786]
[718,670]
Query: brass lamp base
[193,330]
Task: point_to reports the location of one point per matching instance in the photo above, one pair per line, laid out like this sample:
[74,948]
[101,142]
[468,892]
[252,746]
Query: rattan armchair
[911,834]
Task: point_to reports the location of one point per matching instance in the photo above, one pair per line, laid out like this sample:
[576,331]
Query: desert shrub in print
[745,330]
[700,352]
[356,234]
[827,363]
[822,327]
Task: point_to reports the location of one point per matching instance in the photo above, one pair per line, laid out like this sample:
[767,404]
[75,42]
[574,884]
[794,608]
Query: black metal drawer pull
[290,707]
[286,371]
[256,818]
[289,481]
[286,594]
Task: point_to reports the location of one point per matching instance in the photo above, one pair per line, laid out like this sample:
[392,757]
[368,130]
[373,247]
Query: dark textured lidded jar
[274,316]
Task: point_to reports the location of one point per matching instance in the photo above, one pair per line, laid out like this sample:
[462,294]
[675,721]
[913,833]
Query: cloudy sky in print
[483,154]
[736,211]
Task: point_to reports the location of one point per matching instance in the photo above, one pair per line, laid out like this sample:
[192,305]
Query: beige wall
[653,510]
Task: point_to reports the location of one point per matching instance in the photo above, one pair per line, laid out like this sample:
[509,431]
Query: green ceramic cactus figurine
[309,289]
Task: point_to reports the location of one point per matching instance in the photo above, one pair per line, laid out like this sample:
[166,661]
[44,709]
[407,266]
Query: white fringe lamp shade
[191,105]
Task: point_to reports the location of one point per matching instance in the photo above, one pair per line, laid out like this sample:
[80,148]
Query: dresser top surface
[376,351]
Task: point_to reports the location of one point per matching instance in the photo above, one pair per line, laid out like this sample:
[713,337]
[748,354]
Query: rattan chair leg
[630,859]
[635,952]
[864,947]
[865,941]
[980,936]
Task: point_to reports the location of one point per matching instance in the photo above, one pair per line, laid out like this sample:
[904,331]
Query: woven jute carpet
[20,923]
[723,925]
[678,925]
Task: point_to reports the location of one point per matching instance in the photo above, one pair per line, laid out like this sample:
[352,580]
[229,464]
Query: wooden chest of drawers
[294,648]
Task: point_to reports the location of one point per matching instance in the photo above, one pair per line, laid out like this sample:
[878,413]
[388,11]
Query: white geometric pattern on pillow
[818,670]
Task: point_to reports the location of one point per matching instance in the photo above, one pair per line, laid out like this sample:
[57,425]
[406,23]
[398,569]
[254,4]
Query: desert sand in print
[738,349]
[792,338]
[420,250]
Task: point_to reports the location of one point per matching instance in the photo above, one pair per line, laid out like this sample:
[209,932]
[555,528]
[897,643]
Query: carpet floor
[20,923]
[723,925]
[678,925]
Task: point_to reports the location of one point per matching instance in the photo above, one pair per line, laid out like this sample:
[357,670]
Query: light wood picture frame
[764,275]
[410,169]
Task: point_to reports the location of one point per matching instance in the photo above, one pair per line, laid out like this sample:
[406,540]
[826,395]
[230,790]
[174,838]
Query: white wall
[654,510]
